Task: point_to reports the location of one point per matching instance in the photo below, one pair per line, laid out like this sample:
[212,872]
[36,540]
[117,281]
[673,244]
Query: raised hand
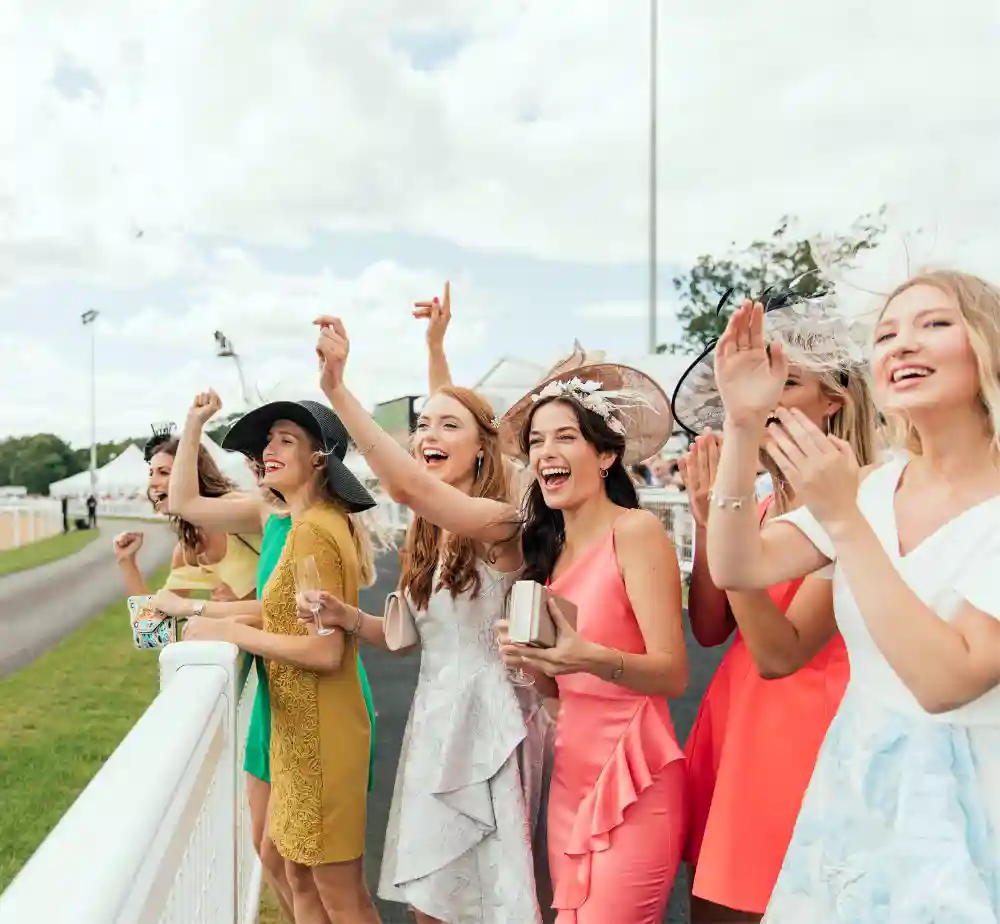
[437,313]
[205,406]
[127,546]
[750,373]
[697,468]
[823,470]
[332,348]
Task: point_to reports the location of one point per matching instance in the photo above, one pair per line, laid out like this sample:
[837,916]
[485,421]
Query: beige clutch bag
[400,628]
[528,619]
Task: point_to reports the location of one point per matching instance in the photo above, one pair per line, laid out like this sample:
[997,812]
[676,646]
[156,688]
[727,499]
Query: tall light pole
[88,318]
[226,350]
[653,29]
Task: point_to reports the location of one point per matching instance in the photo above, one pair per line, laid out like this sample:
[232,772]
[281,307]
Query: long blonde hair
[855,422]
[979,305]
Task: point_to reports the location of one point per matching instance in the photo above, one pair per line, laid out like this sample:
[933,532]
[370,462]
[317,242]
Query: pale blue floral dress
[901,822]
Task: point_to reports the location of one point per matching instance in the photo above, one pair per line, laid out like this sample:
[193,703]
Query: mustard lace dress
[320,733]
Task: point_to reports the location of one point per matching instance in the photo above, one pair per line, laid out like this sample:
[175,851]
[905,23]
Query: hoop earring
[604,473]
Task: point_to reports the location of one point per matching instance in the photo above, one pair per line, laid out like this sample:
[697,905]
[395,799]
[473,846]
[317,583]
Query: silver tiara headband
[609,405]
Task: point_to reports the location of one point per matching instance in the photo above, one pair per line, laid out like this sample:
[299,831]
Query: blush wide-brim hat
[250,434]
[637,402]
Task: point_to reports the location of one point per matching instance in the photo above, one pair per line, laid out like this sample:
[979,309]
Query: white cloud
[515,128]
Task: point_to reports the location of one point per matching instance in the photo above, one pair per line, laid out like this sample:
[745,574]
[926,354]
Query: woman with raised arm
[321,732]
[915,553]
[457,848]
[615,751]
[754,742]
[203,559]
[263,514]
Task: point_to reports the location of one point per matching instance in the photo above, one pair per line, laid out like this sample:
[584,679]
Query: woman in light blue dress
[901,821]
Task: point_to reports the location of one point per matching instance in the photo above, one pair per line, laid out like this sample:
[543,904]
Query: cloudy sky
[284,159]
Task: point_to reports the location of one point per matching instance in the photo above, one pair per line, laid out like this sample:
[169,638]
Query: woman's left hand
[166,601]
[571,654]
[203,629]
[822,469]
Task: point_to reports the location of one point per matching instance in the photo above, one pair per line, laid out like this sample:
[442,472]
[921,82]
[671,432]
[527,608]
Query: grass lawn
[60,719]
[45,550]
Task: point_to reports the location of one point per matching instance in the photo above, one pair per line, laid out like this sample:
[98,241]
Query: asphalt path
[393,680]
[41,606]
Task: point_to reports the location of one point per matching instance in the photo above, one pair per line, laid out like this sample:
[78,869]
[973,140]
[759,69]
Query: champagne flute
[517,676]
[309,585]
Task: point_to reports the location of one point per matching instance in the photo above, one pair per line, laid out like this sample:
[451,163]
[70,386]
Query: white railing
[673,510]
[151,839]
[26,520]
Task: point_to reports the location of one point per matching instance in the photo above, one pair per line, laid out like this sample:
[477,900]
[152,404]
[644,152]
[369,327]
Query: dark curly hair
[543,530]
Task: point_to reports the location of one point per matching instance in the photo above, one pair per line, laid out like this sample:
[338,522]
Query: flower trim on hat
[609,405]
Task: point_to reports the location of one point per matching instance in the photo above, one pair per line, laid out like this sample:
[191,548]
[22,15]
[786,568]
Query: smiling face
[447,440]
[923,357]
[804,392]
[288,458]
[160,466]
[567,466]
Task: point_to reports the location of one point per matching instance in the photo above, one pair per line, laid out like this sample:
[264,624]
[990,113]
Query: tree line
[34,462]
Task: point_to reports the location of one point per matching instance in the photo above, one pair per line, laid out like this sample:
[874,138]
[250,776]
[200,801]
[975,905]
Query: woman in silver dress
[458,845]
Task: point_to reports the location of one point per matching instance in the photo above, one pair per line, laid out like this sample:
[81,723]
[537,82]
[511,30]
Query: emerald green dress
[257,761]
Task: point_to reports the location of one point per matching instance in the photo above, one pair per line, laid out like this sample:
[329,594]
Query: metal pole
[652,173]
[93,409]
[88,318]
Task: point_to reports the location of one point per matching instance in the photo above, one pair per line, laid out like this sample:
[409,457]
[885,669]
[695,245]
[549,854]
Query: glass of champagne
[308,584]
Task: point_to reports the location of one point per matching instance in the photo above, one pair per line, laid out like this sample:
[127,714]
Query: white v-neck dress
[901,821]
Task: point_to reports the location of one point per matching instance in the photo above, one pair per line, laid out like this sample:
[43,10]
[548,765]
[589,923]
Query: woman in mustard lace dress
[320,731]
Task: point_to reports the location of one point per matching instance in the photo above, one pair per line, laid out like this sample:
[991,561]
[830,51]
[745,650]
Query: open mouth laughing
[553,477]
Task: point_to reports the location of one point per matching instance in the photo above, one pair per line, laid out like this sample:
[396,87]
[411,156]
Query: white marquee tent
[125,475]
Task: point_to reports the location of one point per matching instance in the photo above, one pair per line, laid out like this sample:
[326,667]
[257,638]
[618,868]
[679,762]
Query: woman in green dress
[258,513]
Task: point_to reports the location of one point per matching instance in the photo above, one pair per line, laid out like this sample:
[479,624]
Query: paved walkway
[41,606]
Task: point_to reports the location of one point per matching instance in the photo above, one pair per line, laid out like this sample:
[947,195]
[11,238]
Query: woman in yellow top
[320,731]
[221,564]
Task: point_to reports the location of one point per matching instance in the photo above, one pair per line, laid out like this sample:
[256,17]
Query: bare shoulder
[637,528]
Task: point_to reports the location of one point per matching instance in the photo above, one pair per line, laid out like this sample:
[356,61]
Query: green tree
[34,462]
[776,261]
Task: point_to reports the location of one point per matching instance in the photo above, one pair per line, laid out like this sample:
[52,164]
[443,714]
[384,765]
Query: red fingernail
[435,301]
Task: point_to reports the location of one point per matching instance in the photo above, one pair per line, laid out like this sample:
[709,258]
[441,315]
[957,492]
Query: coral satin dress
[750,755]
[617,809]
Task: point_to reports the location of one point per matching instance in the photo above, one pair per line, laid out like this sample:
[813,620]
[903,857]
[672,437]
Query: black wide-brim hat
[250,434]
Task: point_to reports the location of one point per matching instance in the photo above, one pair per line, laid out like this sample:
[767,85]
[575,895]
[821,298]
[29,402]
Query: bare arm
[438,316]
[741,555]
[709,613]
[944,664]
[233,513]
[780,643]
[135,583]
[490,522]
[322,654]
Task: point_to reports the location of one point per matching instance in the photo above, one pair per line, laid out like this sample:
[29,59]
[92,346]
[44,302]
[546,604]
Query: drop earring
[479,464]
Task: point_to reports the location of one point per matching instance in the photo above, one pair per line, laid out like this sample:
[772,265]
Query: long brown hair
[460,555]
[211,483]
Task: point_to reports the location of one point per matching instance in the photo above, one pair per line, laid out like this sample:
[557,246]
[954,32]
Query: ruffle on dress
[483,730]
[644,750]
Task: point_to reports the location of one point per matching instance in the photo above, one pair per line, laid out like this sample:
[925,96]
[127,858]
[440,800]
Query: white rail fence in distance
[161,835]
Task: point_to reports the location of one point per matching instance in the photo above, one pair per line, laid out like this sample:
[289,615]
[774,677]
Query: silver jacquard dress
[459,841]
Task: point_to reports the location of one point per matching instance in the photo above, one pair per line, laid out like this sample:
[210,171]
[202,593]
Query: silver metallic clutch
[528,619]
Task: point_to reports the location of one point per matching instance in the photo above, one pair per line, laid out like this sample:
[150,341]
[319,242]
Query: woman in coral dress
[763,718]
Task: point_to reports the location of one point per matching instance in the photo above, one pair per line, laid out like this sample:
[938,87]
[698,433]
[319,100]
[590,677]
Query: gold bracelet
[730,503]
[621,666]
[357,625]
[364,452]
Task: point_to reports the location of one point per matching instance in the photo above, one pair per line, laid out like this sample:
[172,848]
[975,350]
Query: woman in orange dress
[756,737]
